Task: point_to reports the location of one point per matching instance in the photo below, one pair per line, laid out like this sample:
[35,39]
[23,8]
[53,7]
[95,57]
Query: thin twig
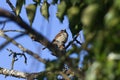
[78,42]
[8,41]
[14,57]
[21,47]
[3,26]
[14,31]
[74,39]
[11,5]
[4,22]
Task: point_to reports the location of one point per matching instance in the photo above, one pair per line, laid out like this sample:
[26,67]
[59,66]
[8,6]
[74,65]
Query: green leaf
[55,64]
[74,2]
[73,14]
[112,18]
[61,10]
[45,9]
[117,4]
[90,14]
[54,1]
[75,28]
[31,10]
[37,1]
[19,5]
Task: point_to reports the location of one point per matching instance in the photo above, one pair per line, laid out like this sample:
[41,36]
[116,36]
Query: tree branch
[21,47]
[29,76]
[19,74]
[14,73]
[8,41]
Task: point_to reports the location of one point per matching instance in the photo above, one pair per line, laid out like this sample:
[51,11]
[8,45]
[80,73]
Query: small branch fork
[74,39]
[15,58]
[36,56]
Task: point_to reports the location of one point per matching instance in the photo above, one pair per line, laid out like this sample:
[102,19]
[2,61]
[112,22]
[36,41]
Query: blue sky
[48,29]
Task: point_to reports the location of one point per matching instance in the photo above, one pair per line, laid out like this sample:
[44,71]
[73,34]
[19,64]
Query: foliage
[100,22]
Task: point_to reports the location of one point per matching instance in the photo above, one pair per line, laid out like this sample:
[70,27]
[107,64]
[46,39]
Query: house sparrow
[60,39]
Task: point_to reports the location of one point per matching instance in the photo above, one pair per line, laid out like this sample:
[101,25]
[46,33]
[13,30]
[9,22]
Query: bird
[60,39]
